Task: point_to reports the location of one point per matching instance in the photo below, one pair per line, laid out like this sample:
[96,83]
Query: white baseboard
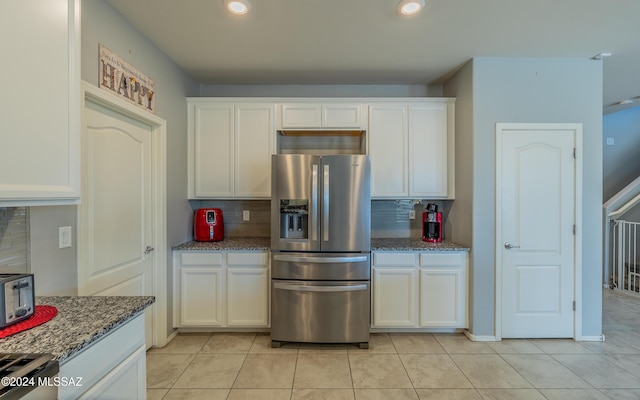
[480,338]
[590,338]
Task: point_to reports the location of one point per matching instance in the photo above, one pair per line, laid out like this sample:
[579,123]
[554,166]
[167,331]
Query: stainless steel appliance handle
[307,288]
[323,260]
[314,203]
[325,204]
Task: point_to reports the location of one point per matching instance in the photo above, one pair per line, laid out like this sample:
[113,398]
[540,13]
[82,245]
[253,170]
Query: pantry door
[536,247]
[117,224]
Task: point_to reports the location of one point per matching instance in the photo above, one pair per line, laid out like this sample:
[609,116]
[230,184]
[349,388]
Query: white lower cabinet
[112,368]
[419,289]
[221,289]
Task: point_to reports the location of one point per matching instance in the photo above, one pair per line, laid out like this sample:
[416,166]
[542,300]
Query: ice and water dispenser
[294,219]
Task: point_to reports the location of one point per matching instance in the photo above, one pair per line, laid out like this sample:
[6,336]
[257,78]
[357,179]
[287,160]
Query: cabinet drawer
[248,259]
[213,258]
[442,259]
[394,259]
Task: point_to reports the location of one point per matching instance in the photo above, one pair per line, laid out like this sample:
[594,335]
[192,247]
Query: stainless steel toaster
[17,298]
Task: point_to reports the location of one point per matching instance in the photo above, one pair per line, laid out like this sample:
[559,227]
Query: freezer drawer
[321,266]
[320,312]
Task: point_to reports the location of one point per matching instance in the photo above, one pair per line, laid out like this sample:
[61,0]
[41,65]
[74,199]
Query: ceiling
[368,42]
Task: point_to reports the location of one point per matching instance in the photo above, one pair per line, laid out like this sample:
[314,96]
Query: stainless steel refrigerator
[320,249]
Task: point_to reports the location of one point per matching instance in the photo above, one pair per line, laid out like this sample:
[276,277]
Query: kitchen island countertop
[81,321]
[377,244]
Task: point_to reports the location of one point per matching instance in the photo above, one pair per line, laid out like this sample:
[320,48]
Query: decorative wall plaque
[118,77]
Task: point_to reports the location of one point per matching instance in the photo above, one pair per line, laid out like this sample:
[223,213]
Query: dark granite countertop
[229,243]
[81,320]
[411,244]
[263,244]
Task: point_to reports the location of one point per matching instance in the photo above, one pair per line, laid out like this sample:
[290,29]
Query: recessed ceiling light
[626,101]
[410,7]
[238,6]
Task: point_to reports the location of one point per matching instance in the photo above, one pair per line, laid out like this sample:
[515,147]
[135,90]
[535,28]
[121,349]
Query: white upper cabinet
[230,147]
[410,141]
[40,102]
[412,149]
[317,116]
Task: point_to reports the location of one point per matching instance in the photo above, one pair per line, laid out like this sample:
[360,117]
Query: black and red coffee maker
[208,225]
[432,224]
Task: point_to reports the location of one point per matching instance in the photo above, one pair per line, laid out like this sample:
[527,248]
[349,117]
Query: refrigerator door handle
[325,204]
[324,260]
[309,288]
[313,218]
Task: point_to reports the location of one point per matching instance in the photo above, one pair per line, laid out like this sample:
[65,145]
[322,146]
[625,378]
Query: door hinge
[575,153]
[574,229]
[574,305]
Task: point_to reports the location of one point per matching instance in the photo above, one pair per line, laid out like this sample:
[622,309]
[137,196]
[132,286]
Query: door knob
[148,250]
[509,246]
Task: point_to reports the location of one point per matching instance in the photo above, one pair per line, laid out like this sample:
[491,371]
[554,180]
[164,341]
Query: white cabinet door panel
[201,296]
[40,102]
[388,150]
[341,115]
[254,134]
[213,149]
[441,297]
[301,116]
[394,297]
[428,150]
[248,297]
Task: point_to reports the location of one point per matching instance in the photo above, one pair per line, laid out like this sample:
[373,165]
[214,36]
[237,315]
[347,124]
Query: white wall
[102,24]
[54,269]
[621,161]
[530,90]
[460,86]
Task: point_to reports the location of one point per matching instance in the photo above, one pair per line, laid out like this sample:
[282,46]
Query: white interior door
[116,209]
[536,248]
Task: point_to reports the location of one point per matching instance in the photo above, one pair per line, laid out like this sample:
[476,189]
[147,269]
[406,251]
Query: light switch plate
[246,215]
[64,237]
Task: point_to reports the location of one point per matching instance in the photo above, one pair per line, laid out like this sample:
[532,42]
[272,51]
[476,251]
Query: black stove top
[22,372]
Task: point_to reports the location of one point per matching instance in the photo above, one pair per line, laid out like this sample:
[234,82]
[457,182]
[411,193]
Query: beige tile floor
[404,366]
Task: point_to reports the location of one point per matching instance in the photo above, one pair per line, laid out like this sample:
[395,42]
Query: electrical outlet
[246,215]
[64,237]
[610,141]
[412,214]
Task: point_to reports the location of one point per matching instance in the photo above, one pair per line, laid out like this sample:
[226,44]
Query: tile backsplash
[14,239]
[259,213]
[389,218]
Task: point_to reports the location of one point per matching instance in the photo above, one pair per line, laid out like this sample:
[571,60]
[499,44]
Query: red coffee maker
[432,224]
[208,225]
